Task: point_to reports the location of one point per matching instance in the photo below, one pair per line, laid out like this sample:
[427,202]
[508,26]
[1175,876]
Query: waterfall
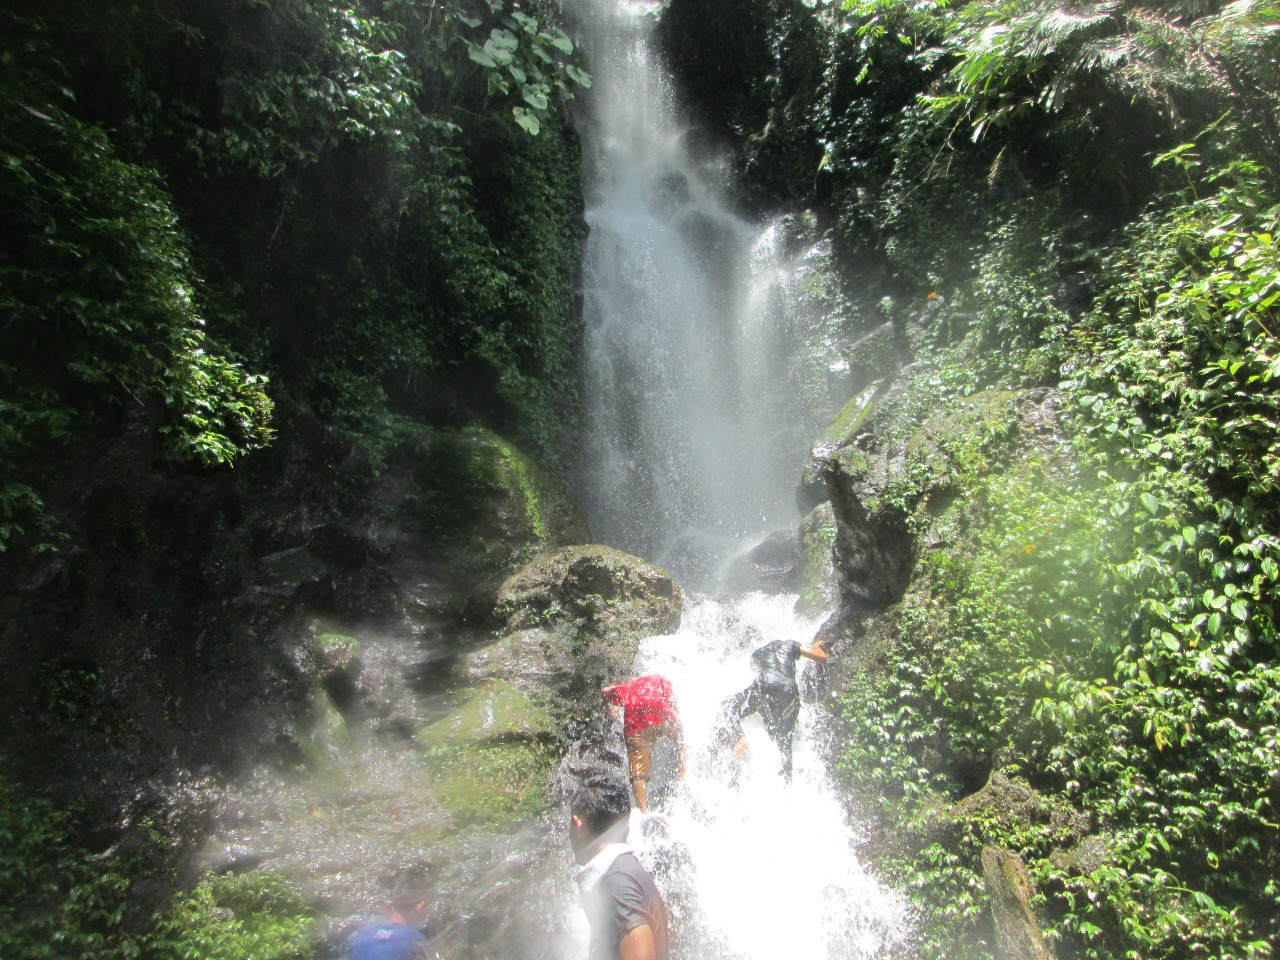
[695,431]
[698,357]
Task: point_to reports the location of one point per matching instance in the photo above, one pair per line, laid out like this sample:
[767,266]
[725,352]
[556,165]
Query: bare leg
[641,789]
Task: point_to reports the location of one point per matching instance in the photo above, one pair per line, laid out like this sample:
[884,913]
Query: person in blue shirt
[395,937]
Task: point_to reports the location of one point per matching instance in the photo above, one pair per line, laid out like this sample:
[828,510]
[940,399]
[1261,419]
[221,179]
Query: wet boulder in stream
[574,621]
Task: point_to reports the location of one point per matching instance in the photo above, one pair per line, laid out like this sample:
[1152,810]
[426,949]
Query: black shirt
[775,663]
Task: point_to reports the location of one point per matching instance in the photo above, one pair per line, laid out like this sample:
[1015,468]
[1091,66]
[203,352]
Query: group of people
[624,908]
[648,708]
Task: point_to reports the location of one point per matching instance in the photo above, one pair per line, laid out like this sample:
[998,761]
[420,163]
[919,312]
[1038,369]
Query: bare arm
[637,944]
[814,651]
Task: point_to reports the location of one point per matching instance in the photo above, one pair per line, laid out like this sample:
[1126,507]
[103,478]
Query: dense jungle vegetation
[1085,196]
[228,226]
[221,217]
[204,199]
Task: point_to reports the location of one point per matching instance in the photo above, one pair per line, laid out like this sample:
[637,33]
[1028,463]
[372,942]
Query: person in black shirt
[773,694]
[624,908]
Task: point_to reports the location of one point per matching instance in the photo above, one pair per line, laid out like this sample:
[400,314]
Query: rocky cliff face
[905,472]
[187,623]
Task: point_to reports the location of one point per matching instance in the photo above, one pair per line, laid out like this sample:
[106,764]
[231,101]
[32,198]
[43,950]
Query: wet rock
[876,355]
[458,512]
[492,713]
[322,737]
[773,564]
[1018,934]
[490,760]
[338,655]
[816,576]
[523,657]
[574,620]
[606,591]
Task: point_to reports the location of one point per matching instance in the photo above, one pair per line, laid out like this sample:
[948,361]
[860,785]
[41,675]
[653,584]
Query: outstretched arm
[814,651]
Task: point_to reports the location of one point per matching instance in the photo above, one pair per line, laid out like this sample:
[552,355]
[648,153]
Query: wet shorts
[640,748]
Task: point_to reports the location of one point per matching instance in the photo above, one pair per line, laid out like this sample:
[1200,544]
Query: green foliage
[61,902]
[362,216]
[1095,601]
[55,902]
[1185,58]
[99,299]
[232,917]
[525,56]
[1109,613]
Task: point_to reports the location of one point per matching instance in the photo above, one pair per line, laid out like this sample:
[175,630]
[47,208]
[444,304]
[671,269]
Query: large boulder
[609,592]
[773,564]
[459,511]
[574,620]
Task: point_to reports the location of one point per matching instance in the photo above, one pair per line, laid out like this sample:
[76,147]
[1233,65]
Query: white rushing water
[698,428]
[768,868]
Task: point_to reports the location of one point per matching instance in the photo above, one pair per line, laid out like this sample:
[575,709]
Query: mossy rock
[817,578]
[604,590]
[574,620]
[459,511]
[322,735]
[492,786]
[494,712]
[490,760]
[476,493]
[837,443]
[339,654]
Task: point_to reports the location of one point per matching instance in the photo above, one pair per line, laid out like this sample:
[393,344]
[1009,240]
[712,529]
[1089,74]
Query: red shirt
[646,702]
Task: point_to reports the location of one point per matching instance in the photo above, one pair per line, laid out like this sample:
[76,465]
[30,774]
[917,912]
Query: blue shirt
[390,941]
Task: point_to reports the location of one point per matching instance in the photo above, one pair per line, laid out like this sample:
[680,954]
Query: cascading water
[695,430]
[698,423]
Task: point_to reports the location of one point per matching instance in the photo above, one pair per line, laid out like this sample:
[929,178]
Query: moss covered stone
[462,509]
[472,487]
[495,712]
[817,585]
[322,735]
[489,761]
[492,786]
[574,620]
[339,654]
[608,591]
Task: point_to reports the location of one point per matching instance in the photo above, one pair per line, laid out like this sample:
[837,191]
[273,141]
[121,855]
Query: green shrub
[253,916]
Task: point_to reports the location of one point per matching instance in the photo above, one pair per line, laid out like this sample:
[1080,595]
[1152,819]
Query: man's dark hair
[600,796]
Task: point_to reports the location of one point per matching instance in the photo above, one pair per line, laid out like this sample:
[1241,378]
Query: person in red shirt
[648,707]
